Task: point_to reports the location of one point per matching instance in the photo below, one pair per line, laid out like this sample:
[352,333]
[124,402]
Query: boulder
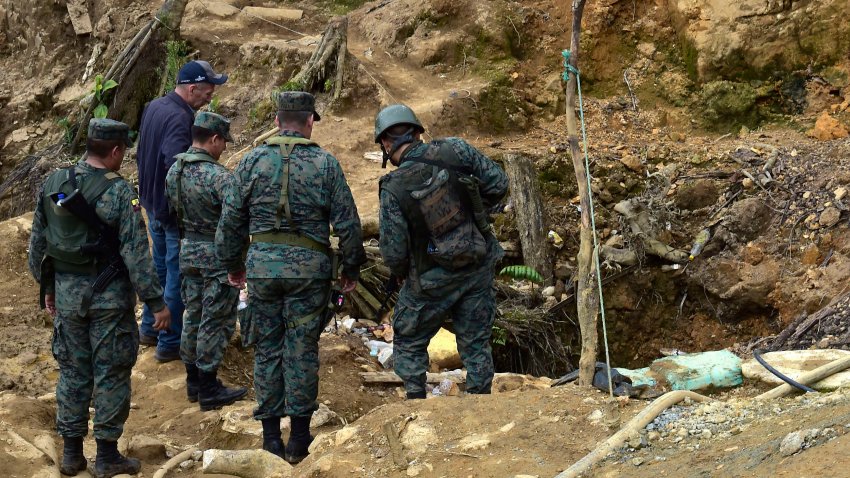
[443,351]
[828,128]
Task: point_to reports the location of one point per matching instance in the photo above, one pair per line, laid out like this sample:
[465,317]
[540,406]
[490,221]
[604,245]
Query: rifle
[107,244]
[390,288]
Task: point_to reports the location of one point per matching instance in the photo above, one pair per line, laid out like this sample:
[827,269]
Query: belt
[291,239]
[198,236]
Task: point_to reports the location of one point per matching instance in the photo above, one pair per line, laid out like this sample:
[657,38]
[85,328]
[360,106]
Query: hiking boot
[212,394]
[193,383]
[416,395]
[73,460]
[271,436]
[163,356]
[110,463]
[297,449]
[274,446]
[150,340]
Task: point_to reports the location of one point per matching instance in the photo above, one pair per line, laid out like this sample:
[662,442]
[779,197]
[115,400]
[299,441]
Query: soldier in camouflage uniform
[433,293]
[95,337]
[196,184]
[289,192]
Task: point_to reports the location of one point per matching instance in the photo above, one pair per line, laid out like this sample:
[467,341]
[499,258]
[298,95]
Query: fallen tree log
[328,60]
[638,219]
[530,214]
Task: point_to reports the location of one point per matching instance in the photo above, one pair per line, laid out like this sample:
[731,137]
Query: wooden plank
[392,378]
[274,14]
[78,10]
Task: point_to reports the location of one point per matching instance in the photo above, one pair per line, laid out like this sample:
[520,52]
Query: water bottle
[699,243]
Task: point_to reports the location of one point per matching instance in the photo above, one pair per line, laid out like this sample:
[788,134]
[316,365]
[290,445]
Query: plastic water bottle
[699,243]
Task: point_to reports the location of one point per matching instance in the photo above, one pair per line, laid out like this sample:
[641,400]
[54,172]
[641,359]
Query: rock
[510,426]
[370,227]
[829,217]
[811,255]
[197,455]
[185,465]
[705,435]
[727,101]
[17,136]
[653,436]
[632,162]
[474,442]
[792,443]
[637,461]
[146,448]
[646,49]
[595,415]
[748,218]
[840,193]
[549,291]
[443,350]
[828,128]
[220,9]
[794,362]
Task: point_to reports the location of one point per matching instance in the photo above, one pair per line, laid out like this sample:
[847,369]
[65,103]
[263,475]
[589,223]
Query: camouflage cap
[297,101]
[216,123]
[109,130]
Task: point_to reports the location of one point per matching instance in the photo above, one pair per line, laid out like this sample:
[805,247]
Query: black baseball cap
[199,72]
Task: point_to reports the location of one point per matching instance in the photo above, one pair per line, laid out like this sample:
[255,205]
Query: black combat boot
[109,462]
[213,394]
[192,382]
[271,436]
[416,395]
[299,440]
[73,460]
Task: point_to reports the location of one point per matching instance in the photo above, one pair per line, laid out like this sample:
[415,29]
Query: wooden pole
[587,298]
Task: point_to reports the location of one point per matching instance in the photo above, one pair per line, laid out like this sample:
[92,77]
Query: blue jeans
[166,259]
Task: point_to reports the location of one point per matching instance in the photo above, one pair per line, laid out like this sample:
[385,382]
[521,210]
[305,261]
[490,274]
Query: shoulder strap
[448,158]
[178,193]
[287,145]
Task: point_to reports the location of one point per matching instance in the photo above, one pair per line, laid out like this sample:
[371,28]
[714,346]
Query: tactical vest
[65,233]
[437,209]
[181,161]
[290,236]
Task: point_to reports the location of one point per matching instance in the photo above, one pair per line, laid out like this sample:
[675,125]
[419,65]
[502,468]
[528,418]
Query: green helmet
[394,115]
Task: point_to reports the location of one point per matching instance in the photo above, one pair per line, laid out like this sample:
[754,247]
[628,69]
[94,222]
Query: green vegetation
[728,105]
[98,92]
[214,105]
[175,57]
[67,129]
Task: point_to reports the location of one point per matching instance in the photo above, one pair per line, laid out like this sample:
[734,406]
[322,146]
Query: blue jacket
[166,131]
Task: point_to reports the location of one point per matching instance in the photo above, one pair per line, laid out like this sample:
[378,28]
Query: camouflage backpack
[438,209]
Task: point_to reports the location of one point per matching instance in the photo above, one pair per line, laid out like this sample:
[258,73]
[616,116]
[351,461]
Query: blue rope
[568,70]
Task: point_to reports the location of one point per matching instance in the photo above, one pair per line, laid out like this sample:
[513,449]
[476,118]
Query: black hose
[785,378]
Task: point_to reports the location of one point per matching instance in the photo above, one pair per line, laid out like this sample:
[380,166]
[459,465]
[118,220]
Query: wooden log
[587,297]
[530,214]
[274,14]
[395,445]
[392,378]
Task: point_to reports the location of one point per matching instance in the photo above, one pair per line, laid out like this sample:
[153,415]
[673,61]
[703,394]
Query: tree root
[329,58]
[246,464]
[173,462]
[633,426]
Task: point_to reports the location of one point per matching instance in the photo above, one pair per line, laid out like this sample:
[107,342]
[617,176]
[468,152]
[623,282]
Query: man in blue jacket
[165,132]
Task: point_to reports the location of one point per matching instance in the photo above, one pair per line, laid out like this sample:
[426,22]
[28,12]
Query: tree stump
[530,215]
[328,61]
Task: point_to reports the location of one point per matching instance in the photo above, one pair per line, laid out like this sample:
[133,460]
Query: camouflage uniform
[288,282]
[432,296]
[96,344]
[210,316]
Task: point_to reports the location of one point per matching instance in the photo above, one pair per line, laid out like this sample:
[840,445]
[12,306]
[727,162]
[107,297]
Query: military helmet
[394,115]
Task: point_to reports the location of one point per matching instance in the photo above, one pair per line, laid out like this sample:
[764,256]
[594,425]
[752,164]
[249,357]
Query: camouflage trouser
[209,319]
[471,305]
[286,360]
[96,354]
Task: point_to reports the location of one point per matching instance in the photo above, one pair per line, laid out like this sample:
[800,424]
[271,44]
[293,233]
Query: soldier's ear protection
[398,142]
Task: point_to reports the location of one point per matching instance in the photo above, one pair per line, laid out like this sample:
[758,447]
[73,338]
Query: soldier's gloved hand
[50,304]
[237,279]
[162,319]
[347,285]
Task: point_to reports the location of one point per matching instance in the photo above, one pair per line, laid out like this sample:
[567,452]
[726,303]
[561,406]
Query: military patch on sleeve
[135,203]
